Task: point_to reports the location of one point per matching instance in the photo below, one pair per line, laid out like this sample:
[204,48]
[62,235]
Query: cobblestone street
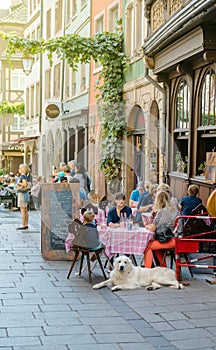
[41,309]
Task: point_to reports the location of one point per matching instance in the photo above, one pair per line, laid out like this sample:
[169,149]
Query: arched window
[206,122]
[183,106]
[208,98]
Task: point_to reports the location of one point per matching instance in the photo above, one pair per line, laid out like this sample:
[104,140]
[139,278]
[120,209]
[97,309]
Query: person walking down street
[23,197]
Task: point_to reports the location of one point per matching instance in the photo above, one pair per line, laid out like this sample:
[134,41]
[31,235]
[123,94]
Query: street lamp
[27,61]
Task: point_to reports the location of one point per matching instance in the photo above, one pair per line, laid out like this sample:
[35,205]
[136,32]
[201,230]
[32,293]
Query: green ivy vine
[105,48]
[12,108]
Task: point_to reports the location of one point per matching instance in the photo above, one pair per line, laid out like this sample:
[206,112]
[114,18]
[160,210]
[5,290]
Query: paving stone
[21,341]
[185,334]
[120,328]
[102,320]
[23,308]
[119,337]
[72,339]
[136,346]
[41,347]
[3,333]
[24,331]
[97,347]
[194,344]
[40,307]
[142,328]
[182,324]
[70,329]
[162,326]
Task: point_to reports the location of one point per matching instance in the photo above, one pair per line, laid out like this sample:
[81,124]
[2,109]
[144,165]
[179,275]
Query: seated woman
[114,214]
[165,187]
[165,214]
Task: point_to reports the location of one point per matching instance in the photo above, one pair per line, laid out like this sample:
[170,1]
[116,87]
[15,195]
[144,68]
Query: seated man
[135,194]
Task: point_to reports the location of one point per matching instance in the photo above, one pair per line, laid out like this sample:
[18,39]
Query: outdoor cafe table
[124,241]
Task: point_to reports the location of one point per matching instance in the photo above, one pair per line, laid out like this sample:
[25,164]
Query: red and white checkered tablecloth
[124,241]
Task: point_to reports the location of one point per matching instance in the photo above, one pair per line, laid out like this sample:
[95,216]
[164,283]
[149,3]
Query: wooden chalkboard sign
[60,205]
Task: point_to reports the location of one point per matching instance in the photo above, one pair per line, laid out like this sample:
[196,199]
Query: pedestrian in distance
[23,197]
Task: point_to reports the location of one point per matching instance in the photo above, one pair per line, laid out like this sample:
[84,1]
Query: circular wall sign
[52,111]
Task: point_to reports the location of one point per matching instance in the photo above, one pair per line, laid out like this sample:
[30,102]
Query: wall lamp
[27,61]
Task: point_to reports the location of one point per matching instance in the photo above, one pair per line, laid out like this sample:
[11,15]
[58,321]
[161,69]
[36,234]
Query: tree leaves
[105,48]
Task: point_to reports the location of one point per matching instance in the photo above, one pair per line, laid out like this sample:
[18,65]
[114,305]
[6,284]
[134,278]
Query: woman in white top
[165,215]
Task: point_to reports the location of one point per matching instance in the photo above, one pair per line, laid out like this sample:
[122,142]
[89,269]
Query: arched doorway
[135,147]
[137,124]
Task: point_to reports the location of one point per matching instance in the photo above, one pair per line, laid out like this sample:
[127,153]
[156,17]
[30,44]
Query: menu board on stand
[60,205]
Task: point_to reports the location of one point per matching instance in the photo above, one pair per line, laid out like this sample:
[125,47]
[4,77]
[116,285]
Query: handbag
[163,234]
[24,189]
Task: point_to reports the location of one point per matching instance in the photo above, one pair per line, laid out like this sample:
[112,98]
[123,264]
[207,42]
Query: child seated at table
[93,236]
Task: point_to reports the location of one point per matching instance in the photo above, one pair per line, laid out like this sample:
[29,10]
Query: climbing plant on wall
[105,48]
[12,108]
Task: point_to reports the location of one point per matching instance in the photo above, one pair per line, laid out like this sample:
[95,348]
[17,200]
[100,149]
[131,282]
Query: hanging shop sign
[52,111]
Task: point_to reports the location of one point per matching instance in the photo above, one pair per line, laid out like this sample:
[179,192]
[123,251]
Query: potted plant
[202,168]
[180,164]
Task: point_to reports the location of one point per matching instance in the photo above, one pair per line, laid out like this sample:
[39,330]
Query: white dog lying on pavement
[127,276]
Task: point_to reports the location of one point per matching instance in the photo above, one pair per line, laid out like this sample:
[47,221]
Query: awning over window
[24,138]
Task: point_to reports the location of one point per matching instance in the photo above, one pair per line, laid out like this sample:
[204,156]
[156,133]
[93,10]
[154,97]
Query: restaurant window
[206,131]
[83,77]
[48,24]
[68,12]
[74,8]
[32,101]
[37,99]
[38,34]
[57,80]
[18,124]
[113,18]
[27,102]
[130,30]
[208,104]
[99,28]
[74,83]
[181,131]
[17,79]
[83,3]
[67,81]
[48,84]
[58,16]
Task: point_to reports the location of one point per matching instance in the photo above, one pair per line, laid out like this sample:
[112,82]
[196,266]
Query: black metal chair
[84,238]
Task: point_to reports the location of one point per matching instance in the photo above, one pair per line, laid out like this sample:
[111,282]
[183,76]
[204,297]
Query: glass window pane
[208,110]
[183,106]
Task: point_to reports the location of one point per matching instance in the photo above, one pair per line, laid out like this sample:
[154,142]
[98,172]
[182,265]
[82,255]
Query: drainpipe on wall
[40,156]
[163,119]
